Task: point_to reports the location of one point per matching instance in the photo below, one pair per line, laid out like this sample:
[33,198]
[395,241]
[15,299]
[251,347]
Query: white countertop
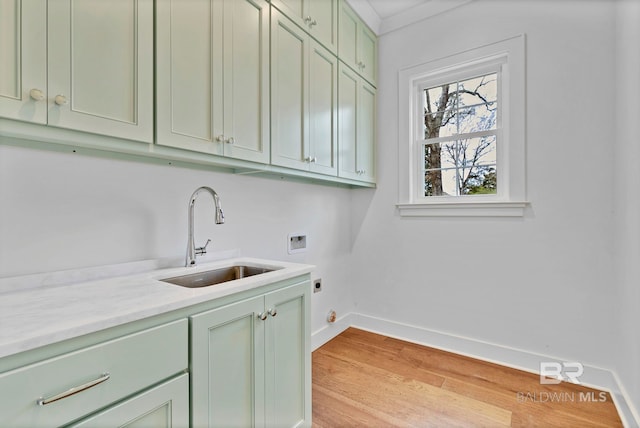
[34,316]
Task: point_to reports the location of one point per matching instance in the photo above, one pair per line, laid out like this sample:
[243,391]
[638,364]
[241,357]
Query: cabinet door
[227,366]
[288,357]
[289,93]
[348,87]
[189,58]
[322,22]
[164,406]
[246,79]
[323,110]
[356,126]
[357,44]
[368,54]
[366,132]
[100,67]
[23,60]
[348,24]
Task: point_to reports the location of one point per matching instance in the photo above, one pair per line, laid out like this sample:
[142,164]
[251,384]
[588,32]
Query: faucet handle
[202,250]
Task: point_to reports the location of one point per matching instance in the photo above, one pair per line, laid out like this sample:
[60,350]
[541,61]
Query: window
[462,134]
[459,124]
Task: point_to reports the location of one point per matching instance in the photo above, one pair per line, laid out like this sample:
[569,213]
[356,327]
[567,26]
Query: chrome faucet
[192,251]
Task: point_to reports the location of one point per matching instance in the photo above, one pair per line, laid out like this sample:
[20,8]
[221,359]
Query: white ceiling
[387,8]
[384,16]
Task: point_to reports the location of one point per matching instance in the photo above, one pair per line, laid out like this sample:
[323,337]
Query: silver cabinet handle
[273,312]
[262,316]
[74,390]
[60,100]
[231,140]
[220,138]
[36,94]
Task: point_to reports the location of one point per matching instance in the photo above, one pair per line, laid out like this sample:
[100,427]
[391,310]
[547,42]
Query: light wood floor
[362,379]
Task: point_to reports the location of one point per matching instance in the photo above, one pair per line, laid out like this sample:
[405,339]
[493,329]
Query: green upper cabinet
[357,44]
[96,74]
[303,100]
[213,77]
[356,126]
[23,60]
[319,18]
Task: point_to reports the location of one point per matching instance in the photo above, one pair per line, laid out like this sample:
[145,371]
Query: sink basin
[216,276]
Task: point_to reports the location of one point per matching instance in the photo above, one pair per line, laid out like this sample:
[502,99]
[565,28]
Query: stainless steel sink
[216,276]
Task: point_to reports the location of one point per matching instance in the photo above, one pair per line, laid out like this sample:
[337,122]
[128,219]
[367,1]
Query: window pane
[480,180]
[477,151]
[483,89]
[478,118]
[439,98]
[437,156]
[440,182]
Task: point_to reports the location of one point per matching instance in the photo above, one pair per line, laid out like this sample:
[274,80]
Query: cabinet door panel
[23,59]
[246,74]
[368,45]
[348,35]
[101,61]
[289,125]
[227,366]
[325,15]
[323,109]
[189,74]
[164,406]
[288,355]
[348,87]
[366,132]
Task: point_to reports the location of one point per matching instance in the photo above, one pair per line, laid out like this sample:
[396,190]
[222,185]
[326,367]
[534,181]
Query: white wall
[66,211]
[627,176]
[543,283]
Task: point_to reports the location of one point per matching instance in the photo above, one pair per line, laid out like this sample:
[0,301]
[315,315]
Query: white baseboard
[595,377]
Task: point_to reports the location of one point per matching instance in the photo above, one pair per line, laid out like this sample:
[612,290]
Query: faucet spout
[192,251]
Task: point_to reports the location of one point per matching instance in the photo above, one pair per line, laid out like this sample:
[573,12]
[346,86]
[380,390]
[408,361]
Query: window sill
[463,209]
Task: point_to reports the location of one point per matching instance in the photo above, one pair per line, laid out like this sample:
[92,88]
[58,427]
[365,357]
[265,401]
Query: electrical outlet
[317,285]
[297,243]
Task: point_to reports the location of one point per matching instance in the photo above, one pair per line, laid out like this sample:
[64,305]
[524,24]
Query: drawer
[133,362]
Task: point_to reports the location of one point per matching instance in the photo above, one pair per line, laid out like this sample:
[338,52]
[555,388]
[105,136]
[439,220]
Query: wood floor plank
[365,379]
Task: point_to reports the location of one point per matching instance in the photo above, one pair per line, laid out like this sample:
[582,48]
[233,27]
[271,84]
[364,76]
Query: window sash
[419,148]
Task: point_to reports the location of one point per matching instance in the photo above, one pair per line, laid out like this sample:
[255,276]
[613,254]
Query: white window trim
[509,56]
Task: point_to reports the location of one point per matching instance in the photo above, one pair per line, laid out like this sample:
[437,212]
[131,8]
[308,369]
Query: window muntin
[459,126]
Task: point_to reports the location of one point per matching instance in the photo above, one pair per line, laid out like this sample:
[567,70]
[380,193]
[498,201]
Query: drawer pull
[74,390]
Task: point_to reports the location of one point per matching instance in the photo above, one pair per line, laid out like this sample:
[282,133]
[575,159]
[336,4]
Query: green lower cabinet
[251,362]
[288,357]
[164,406]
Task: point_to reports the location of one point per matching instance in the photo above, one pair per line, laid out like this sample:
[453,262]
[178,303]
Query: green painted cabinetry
[63,389]
[163,406]
[246,85]
[251,362]
[213,77]
[357,44]
[319,18]
[85,66]
[356,126]
[303,99]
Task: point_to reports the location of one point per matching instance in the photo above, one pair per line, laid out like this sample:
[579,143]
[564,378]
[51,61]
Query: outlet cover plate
[297,243]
